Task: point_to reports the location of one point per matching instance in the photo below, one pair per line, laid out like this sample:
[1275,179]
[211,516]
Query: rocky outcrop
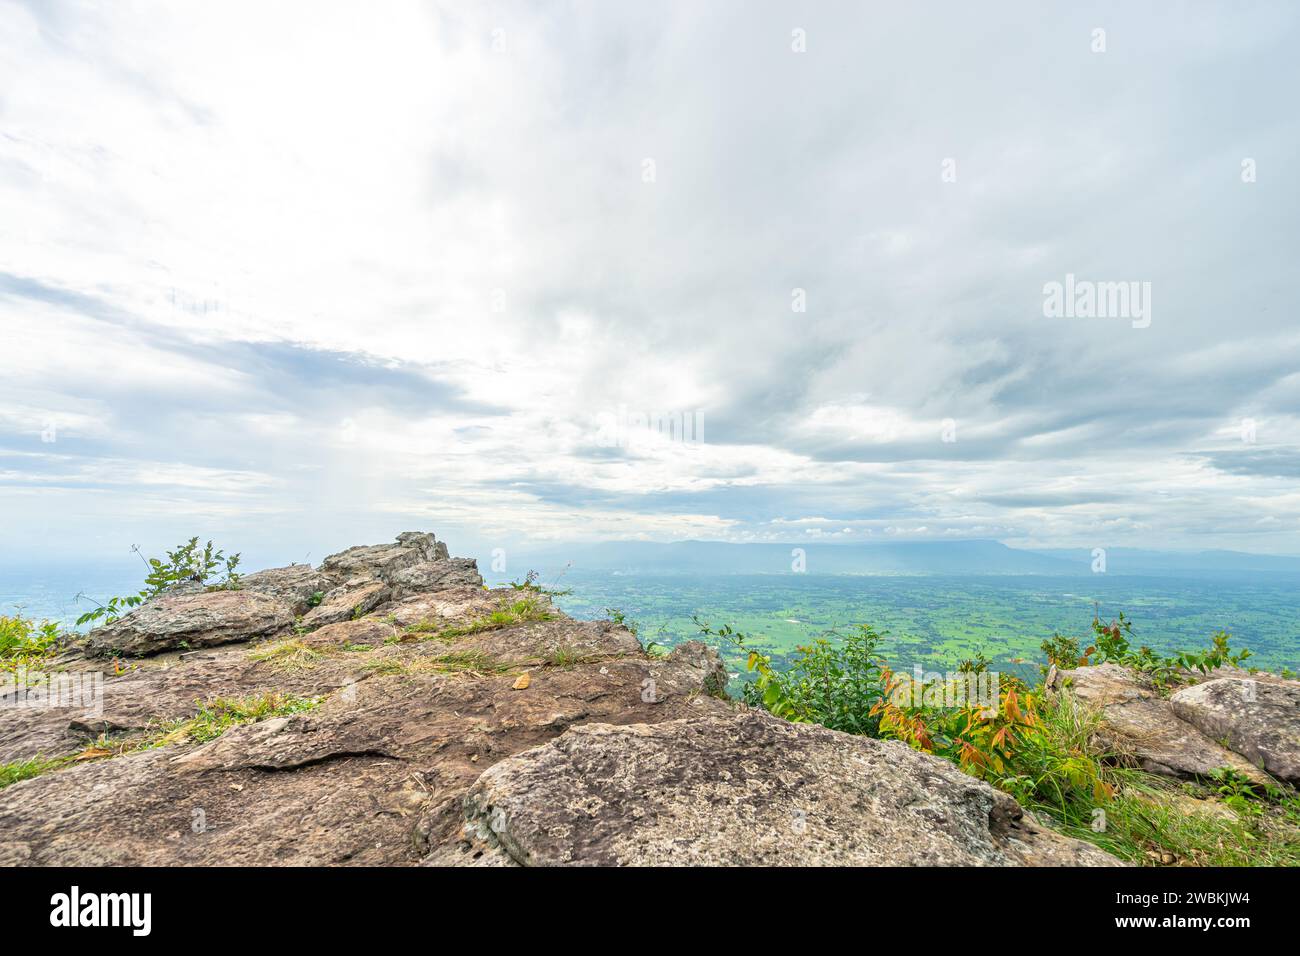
[1258,719]
[438,722]
[1196,731]
[434,576]
[384,560]
[747,789]
[347,585]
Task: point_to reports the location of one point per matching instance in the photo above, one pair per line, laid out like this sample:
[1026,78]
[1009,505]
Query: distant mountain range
[885,557]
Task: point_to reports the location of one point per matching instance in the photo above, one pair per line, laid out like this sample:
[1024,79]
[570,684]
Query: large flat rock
[377,775]
[295,585]
[1146,728]
[1258,719]
[190,620]
[746,789]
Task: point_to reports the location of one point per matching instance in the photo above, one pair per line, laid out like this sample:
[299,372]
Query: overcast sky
[304,276]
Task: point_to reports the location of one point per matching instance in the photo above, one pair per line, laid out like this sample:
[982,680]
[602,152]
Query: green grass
[1153,821]
[470,663]
[212,720]
[563,657]
[528,609]
[26,769]
[217,716]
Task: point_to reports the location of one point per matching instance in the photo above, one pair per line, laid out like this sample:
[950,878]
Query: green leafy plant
[25,643]
[187,563]
[833,683]
[1063,652]
[980,737]
[1112,643]
[529,583]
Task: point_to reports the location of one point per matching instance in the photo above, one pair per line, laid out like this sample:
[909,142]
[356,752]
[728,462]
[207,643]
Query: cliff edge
[385,708]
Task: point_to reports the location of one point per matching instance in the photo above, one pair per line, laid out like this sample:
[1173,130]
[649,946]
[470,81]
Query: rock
[200,619]
[714,677]
[347,601]
[1101,685]
[581,642]
[384,560]
[435,576]
[443,607]
[376,775]
[1140,725]
[748,789]
[1258,719]
[294,585]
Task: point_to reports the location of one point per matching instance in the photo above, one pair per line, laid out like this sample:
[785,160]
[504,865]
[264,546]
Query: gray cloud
[361,365]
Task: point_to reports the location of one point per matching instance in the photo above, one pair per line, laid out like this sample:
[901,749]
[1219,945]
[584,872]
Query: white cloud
[354,269]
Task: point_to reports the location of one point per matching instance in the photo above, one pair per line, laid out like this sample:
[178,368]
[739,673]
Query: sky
[299,276]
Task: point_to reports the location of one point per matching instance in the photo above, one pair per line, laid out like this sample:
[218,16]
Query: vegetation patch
[26,769]
[188,563]
[565,657]
[26,644]
[212,719]
[469,663]
[529,609]
[292,654]
[1112,645]
[217,716]
[1042,749]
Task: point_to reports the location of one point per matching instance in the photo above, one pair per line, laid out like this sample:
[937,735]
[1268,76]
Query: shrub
[24,642]
[836,685]
[1041,749]
[1112,644]
[187,563]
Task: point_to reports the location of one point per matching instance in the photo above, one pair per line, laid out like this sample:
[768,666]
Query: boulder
[294,585]
[1137,724]
[384,560]
[747,789]
[440,607]
[196,619]
[347,601]
[430,576]
[1258,719]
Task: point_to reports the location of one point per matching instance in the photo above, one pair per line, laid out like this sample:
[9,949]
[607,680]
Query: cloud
[302,273]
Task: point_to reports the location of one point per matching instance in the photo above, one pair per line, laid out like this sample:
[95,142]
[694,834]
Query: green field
[937,621]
